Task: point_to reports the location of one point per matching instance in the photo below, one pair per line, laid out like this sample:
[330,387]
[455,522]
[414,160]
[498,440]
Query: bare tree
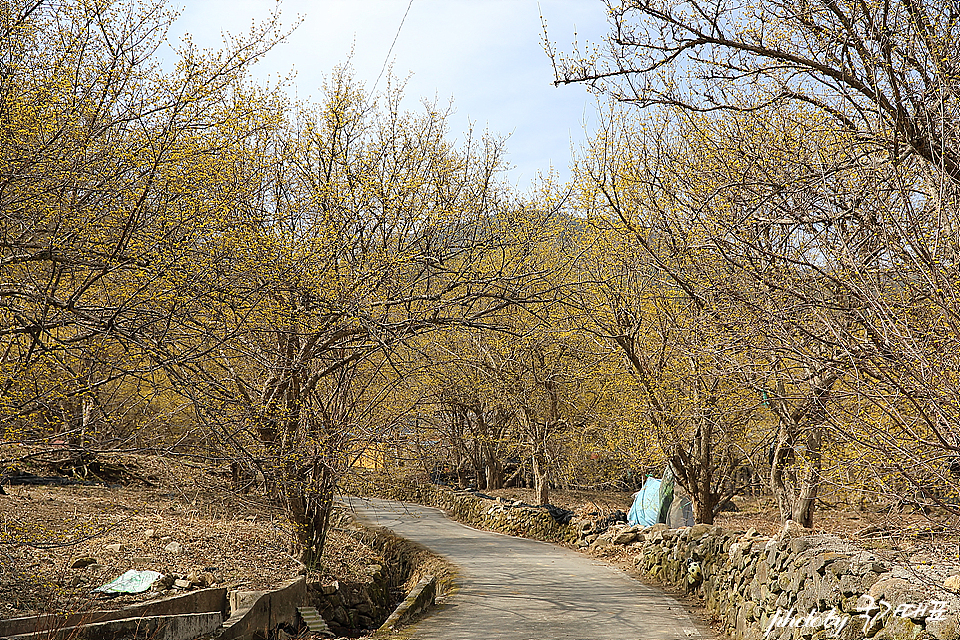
[107,199]
[884,73]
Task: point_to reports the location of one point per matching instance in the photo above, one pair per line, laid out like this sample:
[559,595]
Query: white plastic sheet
[132,581]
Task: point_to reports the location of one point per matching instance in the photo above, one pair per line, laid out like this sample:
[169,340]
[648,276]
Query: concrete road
[517,589]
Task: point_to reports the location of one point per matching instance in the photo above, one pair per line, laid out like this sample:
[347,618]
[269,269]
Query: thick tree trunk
[703,509]
[797,496]
[309,502]
[541,475]
[796,486]
[805,505]
[694,466]
[781,459]
[494,469]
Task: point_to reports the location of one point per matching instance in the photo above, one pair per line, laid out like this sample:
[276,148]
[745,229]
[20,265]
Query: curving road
[517,589]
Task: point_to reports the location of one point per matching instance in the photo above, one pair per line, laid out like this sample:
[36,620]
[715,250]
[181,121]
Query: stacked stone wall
[351,608]
[513,518]
[796,585]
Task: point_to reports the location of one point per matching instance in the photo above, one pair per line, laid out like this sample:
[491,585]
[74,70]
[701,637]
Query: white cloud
[486,54]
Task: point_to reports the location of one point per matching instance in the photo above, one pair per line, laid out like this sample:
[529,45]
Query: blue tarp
[646,504]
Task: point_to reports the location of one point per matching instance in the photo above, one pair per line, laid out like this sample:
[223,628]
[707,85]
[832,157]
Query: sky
[484,55]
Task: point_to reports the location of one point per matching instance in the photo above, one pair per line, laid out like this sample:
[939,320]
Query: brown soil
[904,536]
[239,540]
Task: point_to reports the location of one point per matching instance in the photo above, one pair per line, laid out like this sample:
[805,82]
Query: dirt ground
[190,523]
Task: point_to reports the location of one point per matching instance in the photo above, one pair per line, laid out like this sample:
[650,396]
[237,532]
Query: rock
[150,533]
[946,629]
[897,590]
[798,546]
[729,505]
[182,584]
[821,560]
[173,547]
[952,583]
[340,616]
[114,548]
[83,562]
[164,583]
[897,628]
[699,530]
[330,589]
[625,537]
[792,529]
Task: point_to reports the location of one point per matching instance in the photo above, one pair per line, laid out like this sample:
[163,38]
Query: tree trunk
[309,503]
[781,459]
[703,508]
[797,497]
[694,466]
[493,468]
[541,475]
[804,507]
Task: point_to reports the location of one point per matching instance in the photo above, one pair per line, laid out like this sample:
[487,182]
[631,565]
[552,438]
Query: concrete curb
[256,613]
[51,625]
[421,597]
[172,627]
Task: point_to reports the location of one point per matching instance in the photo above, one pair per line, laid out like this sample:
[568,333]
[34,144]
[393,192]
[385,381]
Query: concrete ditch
[361,605]
[257,613]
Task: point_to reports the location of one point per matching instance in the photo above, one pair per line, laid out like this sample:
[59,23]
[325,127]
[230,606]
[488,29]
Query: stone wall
[493,514]
[351,608]
[796,585]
